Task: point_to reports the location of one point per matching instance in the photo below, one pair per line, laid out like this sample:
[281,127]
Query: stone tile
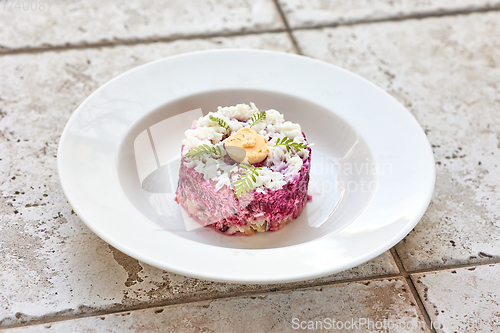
[52,265]
[368,305]
[462,300]
[315,13]
[93,21]
[446,71]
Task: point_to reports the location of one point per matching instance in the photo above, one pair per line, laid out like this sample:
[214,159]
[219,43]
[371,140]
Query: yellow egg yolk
[253,143]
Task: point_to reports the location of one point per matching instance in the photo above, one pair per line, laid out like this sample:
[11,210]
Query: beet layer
[255,211]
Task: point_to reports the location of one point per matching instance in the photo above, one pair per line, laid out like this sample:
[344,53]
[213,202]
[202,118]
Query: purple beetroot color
[221,209]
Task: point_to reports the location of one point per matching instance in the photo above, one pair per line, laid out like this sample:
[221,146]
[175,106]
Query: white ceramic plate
[372,175]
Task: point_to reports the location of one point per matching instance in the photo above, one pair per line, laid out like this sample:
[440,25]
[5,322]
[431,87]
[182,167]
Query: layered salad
[244,170]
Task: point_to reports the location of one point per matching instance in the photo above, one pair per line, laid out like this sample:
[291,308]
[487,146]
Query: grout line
[151,40]
[120,309]
[414,291]
[411,16]
[494,261]
[181,301]
[130,42]
[287,26]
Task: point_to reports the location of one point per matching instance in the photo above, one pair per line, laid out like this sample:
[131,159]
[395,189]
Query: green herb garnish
[221,123]
[258,117]
[246,180]
[205,149]
[289,143]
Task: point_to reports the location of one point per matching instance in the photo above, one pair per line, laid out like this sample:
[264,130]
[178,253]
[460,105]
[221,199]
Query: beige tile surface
[52,265]
[462,300]
[77,22]
[446,71]
[314,13]
[375,306]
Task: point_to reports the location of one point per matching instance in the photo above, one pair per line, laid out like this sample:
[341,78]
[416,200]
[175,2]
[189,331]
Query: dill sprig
[289,143]
[247,179]
[221,123]
[258,117]
[205,149]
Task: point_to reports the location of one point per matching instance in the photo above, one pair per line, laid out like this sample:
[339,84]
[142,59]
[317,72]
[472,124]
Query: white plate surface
[372,173]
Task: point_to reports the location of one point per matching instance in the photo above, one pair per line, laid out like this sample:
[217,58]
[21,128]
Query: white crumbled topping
[241,112]
[280,167]
[200,135]
[213,168]
[291,130]
[294,164]
[269,179]
[271,123]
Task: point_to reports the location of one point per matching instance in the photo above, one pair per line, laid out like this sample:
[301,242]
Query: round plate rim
[263,277]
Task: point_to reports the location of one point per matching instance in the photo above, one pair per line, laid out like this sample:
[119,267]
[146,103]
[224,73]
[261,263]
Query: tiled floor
[441,59]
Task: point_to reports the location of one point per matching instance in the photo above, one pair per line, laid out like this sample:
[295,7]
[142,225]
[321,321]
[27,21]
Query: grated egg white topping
[280,166]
